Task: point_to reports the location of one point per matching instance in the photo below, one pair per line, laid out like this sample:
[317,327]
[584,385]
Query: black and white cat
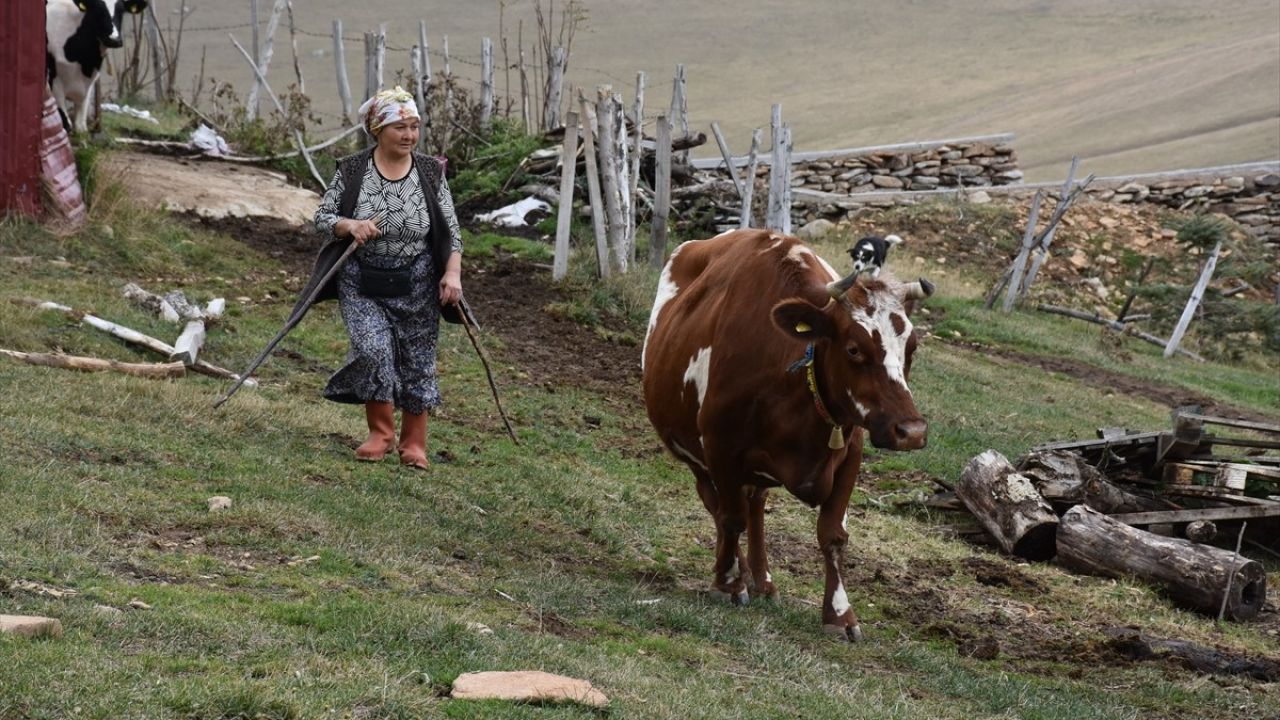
[868,253]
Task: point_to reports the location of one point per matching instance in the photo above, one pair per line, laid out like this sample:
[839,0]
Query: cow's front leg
[757,556]
[730,523]
[838,617]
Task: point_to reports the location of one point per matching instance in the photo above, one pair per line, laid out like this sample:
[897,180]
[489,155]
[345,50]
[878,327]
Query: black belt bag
[385,282]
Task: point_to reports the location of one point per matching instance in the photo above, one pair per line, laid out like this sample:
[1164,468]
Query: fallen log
[1008,506]
[132,336]
[1066,480]
[90,364]
[1196,576]
[1132,644]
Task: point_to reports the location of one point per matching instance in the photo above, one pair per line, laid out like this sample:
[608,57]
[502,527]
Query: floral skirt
[393,340]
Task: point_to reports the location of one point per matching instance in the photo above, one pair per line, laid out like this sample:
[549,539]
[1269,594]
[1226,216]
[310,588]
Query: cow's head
[104,18]
[863,345]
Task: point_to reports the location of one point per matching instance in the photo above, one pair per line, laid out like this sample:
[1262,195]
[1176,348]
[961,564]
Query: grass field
[1141,86]
[337,589]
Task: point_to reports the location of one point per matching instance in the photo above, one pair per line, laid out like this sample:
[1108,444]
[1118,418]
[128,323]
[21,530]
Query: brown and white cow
[729,392]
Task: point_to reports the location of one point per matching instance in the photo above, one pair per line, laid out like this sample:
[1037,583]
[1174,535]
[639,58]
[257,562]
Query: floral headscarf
[386,107]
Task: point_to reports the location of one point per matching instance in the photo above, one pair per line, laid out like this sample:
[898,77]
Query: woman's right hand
[361,231]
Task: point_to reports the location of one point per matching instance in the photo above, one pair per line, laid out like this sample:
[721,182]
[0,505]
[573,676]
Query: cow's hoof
[847,633]
[741,597]
[769,593]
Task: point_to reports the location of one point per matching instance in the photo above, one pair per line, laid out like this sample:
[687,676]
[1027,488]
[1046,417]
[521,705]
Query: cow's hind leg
[757,557]
[729,512]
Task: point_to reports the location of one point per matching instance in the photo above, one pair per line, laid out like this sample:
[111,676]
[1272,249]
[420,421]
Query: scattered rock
[219,502]
[980,198]
[479,628]
[816,230]
[30,626]
[526,686]
[986,648]
[107,611]
[137,604]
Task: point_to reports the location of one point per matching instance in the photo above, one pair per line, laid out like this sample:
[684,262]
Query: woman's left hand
[451,288]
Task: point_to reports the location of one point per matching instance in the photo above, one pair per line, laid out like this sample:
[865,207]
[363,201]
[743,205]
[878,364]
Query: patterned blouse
[406,221]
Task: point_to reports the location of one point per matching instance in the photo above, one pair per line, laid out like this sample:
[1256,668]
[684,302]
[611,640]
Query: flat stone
[1267,181]
[816,230]
[887,181]
[526,686]
[30,626]
[979,198]
[218,502]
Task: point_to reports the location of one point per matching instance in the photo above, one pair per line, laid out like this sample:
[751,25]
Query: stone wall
[1248,194]
[966,162]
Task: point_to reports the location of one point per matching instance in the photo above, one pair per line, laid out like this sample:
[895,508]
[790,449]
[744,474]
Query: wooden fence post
[153,38]
[486,82]
[369,88]
[618,116]
[1197,293]
[728,159]
[680,108]
[252,112]
[264,57]
[593,187]
[607,149]
[786,179]
[293,43]
[749,182]
[636,152]
[340,63]
[564,216]
[297,134]
[380,56]
[773,214]
[555,84]
[526,114]
[661,194]
[447,119]
[1042,250]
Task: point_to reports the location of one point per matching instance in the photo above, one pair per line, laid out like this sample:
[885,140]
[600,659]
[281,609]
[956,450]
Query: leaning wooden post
[1042,249]
[1197,293]
[157,63]
[593,187]
[369,87]
[661,194]
[297,134]
[419,92]
[379,57]
[1020,262]
[749,182]
[1201,577]
[636,151]
[293,43]
[728,159]
[526,112]
[777,176]
[679,114]
[340,63]
[608,152]
[264,57]
[618,116]
[1008,506]
[424,79]
[253,22]
[564,216]
[555,85]
[486,82]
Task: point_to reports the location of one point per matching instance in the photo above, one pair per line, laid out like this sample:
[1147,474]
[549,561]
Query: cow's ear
[802,320]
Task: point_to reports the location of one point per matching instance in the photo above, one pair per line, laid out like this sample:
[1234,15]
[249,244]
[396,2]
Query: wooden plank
[564,217]
[1235,423]
[728,161]
[1146,438]
[1271,509]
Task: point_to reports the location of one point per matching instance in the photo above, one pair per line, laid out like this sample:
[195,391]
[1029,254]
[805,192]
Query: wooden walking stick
[467,320]
[290,324]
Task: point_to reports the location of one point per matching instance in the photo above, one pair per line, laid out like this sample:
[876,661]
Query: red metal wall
[22,55]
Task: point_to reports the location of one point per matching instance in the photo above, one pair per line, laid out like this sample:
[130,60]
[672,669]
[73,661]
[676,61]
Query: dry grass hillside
[1139,86]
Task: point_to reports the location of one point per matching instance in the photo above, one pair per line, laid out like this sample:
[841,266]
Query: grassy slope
[584,550]
[1130,87]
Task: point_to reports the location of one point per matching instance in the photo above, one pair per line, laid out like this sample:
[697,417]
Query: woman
[395,204]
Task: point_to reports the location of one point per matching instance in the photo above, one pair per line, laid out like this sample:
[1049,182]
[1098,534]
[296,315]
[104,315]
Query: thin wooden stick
[749,182]
[728,159]
[1232,574]
[1119,326]
[465,312]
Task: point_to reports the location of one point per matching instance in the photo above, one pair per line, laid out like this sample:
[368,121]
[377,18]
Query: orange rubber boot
[382,431]
[413,440]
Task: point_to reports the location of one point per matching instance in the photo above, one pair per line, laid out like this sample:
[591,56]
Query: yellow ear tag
[803,328]
[84,7]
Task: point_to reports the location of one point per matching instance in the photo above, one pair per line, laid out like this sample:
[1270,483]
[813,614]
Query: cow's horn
[918,290]
[838,288]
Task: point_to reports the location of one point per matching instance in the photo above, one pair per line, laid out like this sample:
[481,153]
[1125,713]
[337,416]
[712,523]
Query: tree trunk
[1196,576]
[89,364]
[1008,506]
[1065,479]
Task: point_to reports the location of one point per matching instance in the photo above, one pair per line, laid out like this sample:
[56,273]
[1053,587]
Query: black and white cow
[76,35]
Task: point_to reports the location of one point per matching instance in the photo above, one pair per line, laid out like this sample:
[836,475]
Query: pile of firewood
[181,356]
[1087,502]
